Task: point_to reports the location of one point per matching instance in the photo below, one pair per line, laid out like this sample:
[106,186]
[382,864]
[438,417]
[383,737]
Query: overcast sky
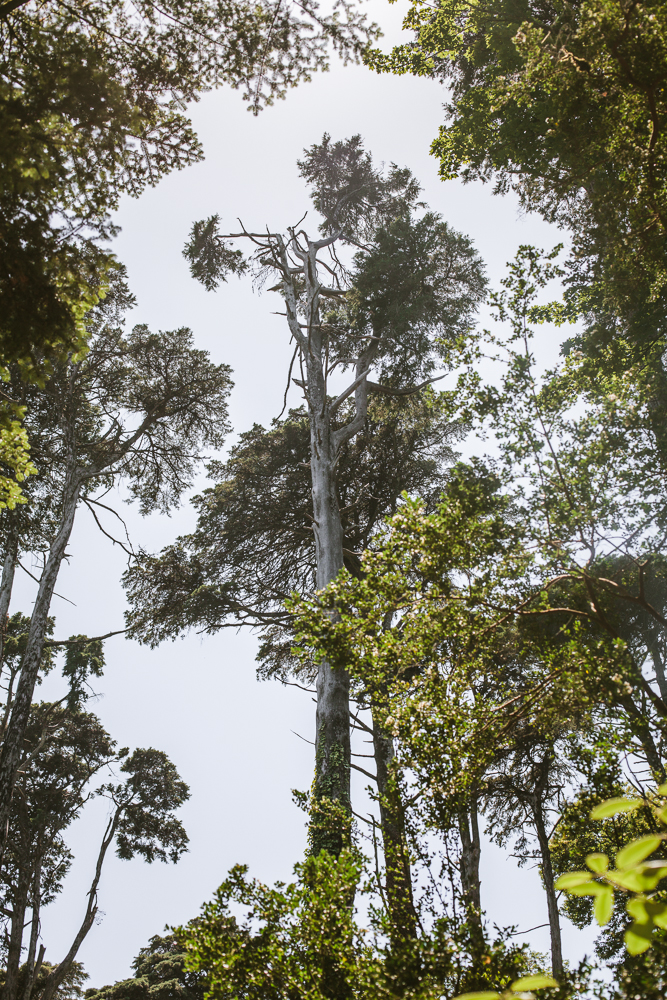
[232,738]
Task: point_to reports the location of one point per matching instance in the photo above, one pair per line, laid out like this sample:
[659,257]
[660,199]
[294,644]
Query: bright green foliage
[636,873]
[14,461]
[304,940]
[520,988]
[528,609]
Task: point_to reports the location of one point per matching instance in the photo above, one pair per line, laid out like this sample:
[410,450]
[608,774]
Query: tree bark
[330,824]
[548,879]
[398,877]
[56,976]
[470,855]
[7,582]
[32,967]
[19,902]
[12,746]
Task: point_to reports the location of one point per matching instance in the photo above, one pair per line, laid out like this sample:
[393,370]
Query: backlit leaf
[538,982]
[638,850]
[611,807]
[604,904]
[597,863]
[635,942]
[484,995]
[572,879]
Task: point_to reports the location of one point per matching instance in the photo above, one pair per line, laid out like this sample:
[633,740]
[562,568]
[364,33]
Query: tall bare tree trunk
[330,822]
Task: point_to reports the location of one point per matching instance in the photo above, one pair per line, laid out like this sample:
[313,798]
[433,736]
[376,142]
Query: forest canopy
[454,549]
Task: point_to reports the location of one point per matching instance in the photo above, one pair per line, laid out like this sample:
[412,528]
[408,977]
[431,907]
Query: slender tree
[397,307]
[64,749]
[137,409]
[254,545]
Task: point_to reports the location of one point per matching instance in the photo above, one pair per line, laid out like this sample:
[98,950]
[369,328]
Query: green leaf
[646,881]
[572,879]
[637,909]
[604,904]
[630,880]
[662,789]
[597,863]
[539,982]
[635,941]
[637,851]
[658,912]
[592,889]
[613,806]
[484,995]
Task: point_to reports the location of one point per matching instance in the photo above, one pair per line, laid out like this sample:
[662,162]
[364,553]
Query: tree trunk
[12,746]
[7,582]
[330,824]
[470,855]
[57,974]
[396,858]
[548,879]
[32,968]
[19,902]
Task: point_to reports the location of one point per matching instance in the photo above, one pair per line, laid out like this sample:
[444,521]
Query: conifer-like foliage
[254,541]
[138,408]
[387,289]
[65,752]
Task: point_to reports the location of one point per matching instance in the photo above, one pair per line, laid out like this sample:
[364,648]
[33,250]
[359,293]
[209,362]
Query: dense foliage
[495,628]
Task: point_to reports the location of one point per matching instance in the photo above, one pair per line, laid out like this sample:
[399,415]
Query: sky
[240,744]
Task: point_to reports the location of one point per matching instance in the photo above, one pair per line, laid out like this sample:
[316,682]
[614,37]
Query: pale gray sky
[231,737]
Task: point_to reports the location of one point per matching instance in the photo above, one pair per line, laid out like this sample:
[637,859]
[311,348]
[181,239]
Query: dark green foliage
[160,974]
[145,803]
[254,545]
[418,290]
[91,107]
[564,103]
[211,258]
[353,196]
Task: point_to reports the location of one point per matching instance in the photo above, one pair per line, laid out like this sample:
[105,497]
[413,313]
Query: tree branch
[389,391]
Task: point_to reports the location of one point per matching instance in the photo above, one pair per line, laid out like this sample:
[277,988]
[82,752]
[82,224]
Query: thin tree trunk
[396,858]
[548,879]
[7,582]
[56,976]
[12,745]
[31,969]
[16,934]
[329,828]
[470,856]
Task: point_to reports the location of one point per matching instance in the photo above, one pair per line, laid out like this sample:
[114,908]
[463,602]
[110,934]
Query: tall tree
[408,294]
[64,749]
[254,546]
[137,408]
[484,678]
